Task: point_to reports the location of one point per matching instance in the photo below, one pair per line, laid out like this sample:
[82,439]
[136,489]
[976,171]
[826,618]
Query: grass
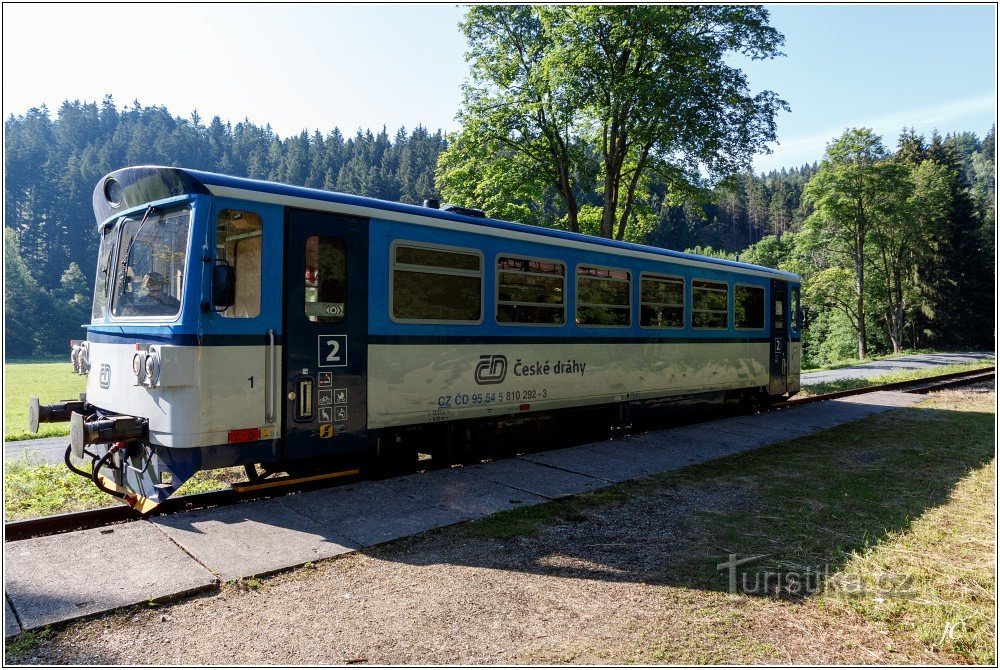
[889,378]
[50,382]
[26,641]
[899,510]
[33,490]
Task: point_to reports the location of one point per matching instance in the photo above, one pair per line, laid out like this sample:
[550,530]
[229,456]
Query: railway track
[247,491]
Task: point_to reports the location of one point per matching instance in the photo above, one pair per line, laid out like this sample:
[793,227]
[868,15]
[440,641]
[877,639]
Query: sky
[364,66]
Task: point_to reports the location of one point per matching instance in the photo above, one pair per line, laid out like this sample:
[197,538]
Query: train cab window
[326,279]
[603,296]
[238,237]
[749,307]
[151,265]
[709,304]
[531,291]
[436,284]
[661,302]
[105,273]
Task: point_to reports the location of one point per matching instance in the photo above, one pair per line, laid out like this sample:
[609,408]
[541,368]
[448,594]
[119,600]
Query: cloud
[799,150]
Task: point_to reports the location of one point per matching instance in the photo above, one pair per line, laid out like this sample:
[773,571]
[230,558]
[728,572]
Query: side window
[531,290]
[238,237]
[603,296]
[105,272]
[709,304]
[326,279]
[797,308]
[661,302]
[432,284]
[749,307]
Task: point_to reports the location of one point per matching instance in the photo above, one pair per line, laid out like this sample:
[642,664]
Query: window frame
[796,300]
[655,276]
[496,291]
[317,318]
[260,288]
[764,315]
[425,269]
[729,305]
[136,216]
[576,294]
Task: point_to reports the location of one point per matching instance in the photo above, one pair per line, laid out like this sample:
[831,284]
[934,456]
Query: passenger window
[603,296]
[431,284]
[749,307]
[709,304]
[530,290]
[661,302]
[238,240]
[326,279]
[797,308]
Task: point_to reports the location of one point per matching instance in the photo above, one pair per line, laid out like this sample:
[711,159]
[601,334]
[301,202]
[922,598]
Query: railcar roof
[144,183]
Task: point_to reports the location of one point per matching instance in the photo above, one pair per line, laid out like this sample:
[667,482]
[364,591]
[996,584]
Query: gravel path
[914,362]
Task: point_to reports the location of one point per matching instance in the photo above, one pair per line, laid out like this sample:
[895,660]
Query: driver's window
[238,241]
[151,264]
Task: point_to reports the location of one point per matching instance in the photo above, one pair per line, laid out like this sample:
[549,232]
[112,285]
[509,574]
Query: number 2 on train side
[332,351]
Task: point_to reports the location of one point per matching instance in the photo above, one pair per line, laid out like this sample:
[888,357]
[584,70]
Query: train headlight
[139,366]
[153,367]
[113,192]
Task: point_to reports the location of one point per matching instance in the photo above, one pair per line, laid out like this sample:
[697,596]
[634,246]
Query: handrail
[272,396]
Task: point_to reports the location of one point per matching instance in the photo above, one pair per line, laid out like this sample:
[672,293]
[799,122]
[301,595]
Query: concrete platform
[10,625]
[67,576]
[252,539]
[63,577]
[369,513]
[605,465]
[524,475]
[461,491]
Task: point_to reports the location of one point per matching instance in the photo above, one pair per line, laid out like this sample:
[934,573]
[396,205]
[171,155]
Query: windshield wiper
[128,251]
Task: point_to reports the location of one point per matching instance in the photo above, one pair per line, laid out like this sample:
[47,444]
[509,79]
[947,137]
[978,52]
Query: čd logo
[491,369]
[105,378]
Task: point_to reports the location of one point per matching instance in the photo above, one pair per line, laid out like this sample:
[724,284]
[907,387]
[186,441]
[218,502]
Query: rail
[71,521]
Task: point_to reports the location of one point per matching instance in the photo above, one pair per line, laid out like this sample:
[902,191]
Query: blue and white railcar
[241,322]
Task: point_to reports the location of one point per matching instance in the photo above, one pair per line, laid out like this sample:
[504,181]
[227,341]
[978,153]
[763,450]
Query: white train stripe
[413,384]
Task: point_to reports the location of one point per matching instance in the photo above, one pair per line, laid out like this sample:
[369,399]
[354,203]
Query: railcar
[246,323]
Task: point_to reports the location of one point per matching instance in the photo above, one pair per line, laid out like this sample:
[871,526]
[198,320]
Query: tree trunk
[859,267]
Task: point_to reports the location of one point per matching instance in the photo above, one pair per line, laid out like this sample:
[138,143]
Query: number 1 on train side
[332,351]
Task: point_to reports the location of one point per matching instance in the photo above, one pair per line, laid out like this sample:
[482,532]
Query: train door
[326,335]
[779,337]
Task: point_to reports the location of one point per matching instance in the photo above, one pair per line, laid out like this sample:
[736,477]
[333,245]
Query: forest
[942,295]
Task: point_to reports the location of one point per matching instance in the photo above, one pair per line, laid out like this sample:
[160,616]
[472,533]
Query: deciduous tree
[649,87]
